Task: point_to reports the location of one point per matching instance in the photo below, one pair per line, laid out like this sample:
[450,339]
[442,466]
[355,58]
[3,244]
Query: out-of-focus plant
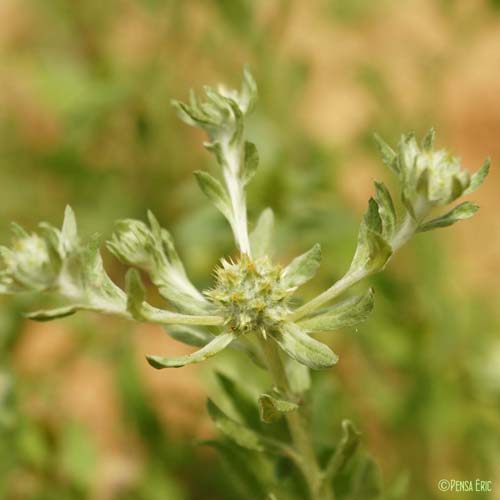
[251,306]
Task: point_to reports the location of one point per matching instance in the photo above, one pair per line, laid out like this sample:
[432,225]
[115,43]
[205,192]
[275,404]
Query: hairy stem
[338,288]
[296,422]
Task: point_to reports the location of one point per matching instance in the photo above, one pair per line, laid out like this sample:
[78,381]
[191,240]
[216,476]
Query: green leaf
[241,466]
[240,434]
[69,232]
[298,376]
[50,314]
[219,343]
[242,403]
[214,191]
[386,210]
[478,178]
[302,268]
[372,251]
[248,94]
[349,312]
[372,218]
[250,162]
[428,140]
[272,409]
[101,293]
[344,451]
[261,236]
[461,212]
[389,156]
[303,348]
[367,482]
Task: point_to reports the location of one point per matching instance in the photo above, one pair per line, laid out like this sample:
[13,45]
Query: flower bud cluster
[31,264]
[250,294]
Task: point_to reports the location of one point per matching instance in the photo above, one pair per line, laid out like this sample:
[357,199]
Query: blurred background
[85,119]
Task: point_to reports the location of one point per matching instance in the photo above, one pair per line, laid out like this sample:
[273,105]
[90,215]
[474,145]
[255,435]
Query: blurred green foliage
[86,120]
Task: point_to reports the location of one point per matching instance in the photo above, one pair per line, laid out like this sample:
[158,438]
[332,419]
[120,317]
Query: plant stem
[296,422]
[336,289]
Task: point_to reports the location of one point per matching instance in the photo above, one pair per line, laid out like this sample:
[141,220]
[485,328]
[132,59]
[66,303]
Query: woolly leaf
[214,191]
[303,348]
[250,162]
[260,238]
[478,178]
[50,314]
[302,268]
[386,210]
[461,212]
[349,312]
[219,343]
[389,156]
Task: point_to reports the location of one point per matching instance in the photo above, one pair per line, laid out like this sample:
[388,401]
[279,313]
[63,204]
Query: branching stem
[308,462]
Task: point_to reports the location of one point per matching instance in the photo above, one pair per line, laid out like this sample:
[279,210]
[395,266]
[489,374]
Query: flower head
[31,264]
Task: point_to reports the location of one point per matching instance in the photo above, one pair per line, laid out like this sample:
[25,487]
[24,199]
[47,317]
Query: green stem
[296,422]
[339,287]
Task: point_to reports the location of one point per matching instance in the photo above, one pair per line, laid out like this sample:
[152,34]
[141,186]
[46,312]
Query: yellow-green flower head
[250,294]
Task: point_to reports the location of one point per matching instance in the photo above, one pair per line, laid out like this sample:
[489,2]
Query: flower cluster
[250,294]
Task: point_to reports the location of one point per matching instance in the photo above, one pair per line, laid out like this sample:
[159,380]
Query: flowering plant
[251,305]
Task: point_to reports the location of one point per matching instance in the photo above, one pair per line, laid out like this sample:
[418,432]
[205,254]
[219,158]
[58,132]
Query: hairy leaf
[302,268]
[461,212]
[349,312]
[389,156]
[261,236]
[214,191]
[219,343]
[303,348]
[478,178]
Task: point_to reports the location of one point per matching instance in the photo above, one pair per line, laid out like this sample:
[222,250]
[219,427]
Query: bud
[30,265]
[430,177]
[133,243]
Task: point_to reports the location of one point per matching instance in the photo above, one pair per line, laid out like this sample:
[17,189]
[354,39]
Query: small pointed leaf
[219,343]
[428,140]
[50,314]
[69,231]
[214,191]
[461,212]
[272,409]
[389,156]
[478,178]
[386,210]
[250,162]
